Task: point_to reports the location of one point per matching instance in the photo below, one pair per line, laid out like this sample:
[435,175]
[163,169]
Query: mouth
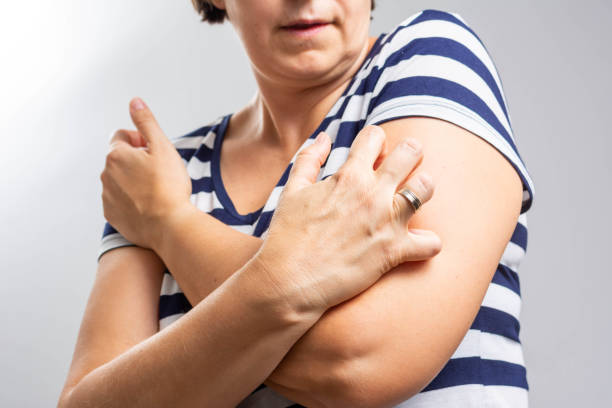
[305,27]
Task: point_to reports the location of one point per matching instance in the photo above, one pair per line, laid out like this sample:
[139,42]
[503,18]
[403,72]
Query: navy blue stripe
[204,154]
[285,176]
[347,131]
[442,88]
[439,46]
[507,278]
[497,322]
[108,229]
[186,154]
[202,131]
[519,236]
[429,15]
[173,304]
[205,184]
[474,370]
[225,217]
[263,223]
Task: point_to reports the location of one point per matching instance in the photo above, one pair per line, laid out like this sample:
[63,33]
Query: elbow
[360,384]
[355,383]
[64,399]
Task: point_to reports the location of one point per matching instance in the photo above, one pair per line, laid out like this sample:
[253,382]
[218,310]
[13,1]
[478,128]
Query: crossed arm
[386,344]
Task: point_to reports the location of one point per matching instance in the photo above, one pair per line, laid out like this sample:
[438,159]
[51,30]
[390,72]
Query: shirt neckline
[218,185]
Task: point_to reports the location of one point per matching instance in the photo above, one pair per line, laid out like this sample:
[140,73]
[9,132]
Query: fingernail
[412,144]
[425,180]
[418,231]
[138,104]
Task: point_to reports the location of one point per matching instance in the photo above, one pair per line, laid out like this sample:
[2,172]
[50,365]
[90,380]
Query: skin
[222,349]
[427,306]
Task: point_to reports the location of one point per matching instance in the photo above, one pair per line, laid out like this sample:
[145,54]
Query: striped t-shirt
[433,65]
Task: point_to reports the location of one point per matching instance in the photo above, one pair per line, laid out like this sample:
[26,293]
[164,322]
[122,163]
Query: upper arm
[122,309]
[433,80]
[392,339]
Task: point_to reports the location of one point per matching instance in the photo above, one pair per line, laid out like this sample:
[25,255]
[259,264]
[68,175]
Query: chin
[312,66]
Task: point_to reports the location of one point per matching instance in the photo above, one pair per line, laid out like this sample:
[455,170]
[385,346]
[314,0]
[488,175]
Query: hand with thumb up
[144,179]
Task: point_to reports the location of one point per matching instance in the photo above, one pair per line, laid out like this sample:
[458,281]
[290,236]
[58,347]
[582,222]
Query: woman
[443,332]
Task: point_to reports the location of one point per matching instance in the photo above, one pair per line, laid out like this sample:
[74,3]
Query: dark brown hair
[211,14]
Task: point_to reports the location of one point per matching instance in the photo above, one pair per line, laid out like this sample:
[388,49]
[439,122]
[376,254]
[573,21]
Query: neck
[285,116]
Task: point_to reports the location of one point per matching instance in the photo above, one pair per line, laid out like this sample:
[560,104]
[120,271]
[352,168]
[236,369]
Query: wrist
[293,298]
[165,230]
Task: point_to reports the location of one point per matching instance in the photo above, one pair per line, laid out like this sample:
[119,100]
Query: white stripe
[503,396]
[421,105]
[417,105]
[464,396]
[512,256]
[205,201]
[112,241]
[428,29]
[188,142]
[433,28]
[448,69]
[336,159]
[501,298]
[469,346]
[496,347]
[494,71]
[469,396]
[489,346]
[198,169]
[273,199]
[168,320]
[245,229]
[522,219]
[169,286]
[452,31]
[210,140]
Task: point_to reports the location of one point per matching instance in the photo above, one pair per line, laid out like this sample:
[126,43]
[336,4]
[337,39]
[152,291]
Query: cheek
[357,18]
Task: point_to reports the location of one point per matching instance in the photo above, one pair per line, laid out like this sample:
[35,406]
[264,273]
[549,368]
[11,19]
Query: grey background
[70,67]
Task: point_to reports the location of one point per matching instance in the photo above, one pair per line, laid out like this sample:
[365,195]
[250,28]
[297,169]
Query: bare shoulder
[122,309]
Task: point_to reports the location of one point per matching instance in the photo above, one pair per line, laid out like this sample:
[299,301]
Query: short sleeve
[434,65]
[111,239]
[187,146]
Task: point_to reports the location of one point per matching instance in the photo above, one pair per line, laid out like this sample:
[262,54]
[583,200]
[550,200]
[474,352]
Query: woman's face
[298,42]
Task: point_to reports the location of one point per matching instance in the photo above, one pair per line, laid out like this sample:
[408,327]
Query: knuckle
[116,135]
[427,183]
[393,255]
[114,155]
[348,178]
[396,207]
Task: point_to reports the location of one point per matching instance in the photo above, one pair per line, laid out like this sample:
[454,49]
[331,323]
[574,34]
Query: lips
[305,25]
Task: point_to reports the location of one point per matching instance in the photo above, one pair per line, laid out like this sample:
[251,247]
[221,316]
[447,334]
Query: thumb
[145,123]
[308,163]
[419,245]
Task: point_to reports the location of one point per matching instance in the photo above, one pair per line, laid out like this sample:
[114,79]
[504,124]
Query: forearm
[216,354]
[201,252]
